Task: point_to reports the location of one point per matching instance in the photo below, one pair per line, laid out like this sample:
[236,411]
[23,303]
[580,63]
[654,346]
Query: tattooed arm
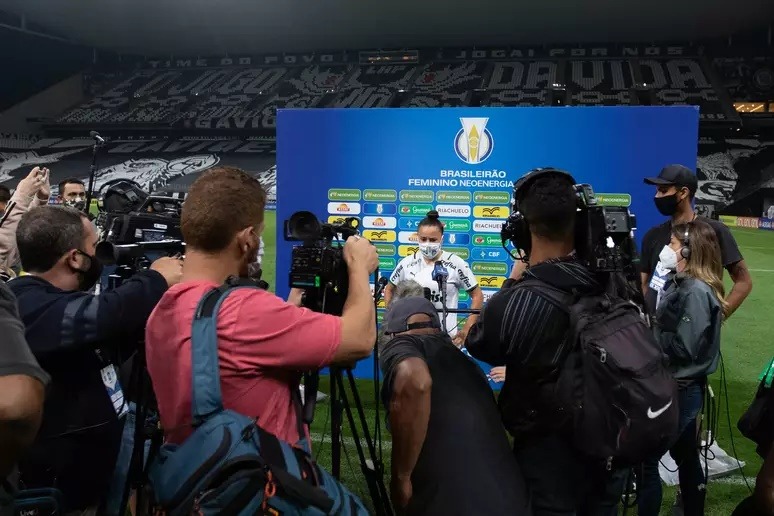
[740,275]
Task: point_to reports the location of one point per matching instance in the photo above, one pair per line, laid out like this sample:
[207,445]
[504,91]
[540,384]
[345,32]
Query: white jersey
[414,267]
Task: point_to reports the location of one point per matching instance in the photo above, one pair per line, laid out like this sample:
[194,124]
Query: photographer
[529,334]
[78,338]
[263,342]
[32,191]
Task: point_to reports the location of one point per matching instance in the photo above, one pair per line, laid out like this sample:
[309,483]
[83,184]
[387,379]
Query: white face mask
[430,249]
[668,258]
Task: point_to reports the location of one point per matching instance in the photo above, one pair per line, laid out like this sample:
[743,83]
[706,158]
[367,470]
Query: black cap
[398,313]
[675,175]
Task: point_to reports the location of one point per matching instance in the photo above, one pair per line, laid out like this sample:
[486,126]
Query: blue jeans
[123,463]
[685,453]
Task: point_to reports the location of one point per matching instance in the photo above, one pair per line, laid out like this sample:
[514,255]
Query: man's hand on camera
[359,252]
[169,267]
[296,296]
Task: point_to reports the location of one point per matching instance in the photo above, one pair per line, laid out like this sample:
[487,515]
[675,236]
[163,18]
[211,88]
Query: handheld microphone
[380,286]
[440,274]
[96,136]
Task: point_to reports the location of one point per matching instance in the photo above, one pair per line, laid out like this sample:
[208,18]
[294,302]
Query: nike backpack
[614,382]
[230,465]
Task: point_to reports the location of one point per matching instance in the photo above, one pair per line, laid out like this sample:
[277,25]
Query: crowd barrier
[747,222]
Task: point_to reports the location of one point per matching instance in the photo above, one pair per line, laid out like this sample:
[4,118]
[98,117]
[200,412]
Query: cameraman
[263,341]
[524,331]
[76,338]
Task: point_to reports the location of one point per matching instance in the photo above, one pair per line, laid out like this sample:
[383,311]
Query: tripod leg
[373,472]
[335,425]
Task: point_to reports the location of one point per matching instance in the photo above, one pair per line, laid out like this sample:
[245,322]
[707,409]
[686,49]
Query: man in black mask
[80,340]
[676,188]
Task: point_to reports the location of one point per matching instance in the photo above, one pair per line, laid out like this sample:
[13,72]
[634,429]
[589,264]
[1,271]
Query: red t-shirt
[263,345]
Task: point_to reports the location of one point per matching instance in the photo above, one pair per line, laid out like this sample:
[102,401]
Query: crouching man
[450,454]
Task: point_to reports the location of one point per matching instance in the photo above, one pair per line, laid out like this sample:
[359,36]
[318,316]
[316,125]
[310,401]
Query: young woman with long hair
[689,314]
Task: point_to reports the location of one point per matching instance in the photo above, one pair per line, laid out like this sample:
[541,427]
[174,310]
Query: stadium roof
[218,27]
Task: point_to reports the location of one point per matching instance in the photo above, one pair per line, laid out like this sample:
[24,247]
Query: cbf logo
[473,143]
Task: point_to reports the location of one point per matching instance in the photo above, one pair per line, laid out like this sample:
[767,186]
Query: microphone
[440,274]
[96,136]
[380,286]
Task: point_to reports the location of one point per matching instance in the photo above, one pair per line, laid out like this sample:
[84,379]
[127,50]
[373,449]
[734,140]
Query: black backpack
[614,382]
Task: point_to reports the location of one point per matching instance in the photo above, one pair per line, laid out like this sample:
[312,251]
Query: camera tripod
[373,466]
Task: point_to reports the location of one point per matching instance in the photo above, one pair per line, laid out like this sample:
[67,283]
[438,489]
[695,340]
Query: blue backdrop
[390,166]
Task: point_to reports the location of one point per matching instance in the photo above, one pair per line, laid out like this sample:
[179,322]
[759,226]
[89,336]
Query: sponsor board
[415,209]
[464,296]
[462,252]
[386,263]
[747,222]
[453,210]
[488,293]
[378,208]
[337,219]
[348,208]
[385,249]
[456,225]
[380,222]
[487,226]
[614,199]
[456,238]
[380,195]
[379,316]
[491,255]
[728,220]
[408,237]
[343,194]
[416,196]
[409,222]
[382,304]
[406,250]
[487,240]
[379,235]
[489,268]
[767,224]
[491,281]
[491,212]
[453,197]
[492,197]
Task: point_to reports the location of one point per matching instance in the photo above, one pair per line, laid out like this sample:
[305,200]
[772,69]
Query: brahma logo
[349,208]
[453,210]
[380,222]
[473,143]
[491,212]
[487,226]
[407,237]
[379,235]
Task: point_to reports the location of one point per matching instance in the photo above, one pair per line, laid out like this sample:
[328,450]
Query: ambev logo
[489,268]
[415,209]
[491,212]
[445,196]
[491,281]
[343,194]
[492,197]
[462,252]
[379,235]
[380,195]
[386,263]
[384,249]
[487,240]
[456,225]
[453,210]
[416,196]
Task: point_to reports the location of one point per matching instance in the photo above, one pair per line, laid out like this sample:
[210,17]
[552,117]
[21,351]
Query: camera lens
[303,225]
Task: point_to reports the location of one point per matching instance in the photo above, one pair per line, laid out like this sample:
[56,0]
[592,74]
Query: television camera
[604,235]
[317,265]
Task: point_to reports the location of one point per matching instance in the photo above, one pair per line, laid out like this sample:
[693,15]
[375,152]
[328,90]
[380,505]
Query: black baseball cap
[675,175]
[397,315]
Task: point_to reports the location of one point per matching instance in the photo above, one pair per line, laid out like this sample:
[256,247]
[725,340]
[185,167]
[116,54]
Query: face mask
[90,276]
[667,205]
[430,249]
[79,203]
[668,258]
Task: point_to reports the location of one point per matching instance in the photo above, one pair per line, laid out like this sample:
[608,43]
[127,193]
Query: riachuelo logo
[473,143]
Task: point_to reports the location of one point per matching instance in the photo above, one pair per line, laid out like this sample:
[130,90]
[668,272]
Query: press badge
[113,387]
[659,279]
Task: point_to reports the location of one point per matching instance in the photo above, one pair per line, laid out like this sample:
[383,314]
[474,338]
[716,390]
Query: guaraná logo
[473,143]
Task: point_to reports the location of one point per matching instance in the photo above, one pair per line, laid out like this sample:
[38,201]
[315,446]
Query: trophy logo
[473,143]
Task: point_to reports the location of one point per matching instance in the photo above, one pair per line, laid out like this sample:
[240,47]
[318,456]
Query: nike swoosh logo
[654,415]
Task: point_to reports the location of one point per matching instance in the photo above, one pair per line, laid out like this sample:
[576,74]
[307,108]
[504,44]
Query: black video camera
[317,265]
[604,240]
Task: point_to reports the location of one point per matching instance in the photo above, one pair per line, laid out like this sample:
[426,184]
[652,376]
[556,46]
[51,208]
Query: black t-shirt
[655,240]
[466,465]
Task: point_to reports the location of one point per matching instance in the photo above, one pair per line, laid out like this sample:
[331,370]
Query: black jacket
[74,335]
[525,332]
